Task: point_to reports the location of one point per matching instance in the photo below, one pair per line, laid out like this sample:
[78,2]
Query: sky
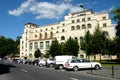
[14,14]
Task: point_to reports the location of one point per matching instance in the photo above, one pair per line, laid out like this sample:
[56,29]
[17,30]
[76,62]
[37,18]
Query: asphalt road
[29,72]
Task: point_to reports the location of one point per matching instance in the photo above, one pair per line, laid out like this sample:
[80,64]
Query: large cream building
[41,37]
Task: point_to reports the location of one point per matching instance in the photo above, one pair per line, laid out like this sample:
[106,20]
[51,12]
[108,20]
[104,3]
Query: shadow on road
[5,68]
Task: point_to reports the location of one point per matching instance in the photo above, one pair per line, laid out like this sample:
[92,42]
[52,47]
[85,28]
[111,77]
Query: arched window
[77,27]
[106,33]
[83,26]
[45,35]
[81,39]
[89,25]
[51,34]
[35,35]
[72,28]
[30,56]
[76,38]
[62,38]
[40,36]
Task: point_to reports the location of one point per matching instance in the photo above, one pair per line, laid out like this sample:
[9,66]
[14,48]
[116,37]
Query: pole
[112,71]
[86,49]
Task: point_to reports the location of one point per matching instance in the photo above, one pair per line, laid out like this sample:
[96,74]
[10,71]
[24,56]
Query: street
[11,71]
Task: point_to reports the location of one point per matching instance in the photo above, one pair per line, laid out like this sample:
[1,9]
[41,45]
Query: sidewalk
[107,72]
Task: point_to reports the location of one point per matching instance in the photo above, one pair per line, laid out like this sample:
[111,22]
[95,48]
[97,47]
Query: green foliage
[116,17]
[55,48]
[71,47]
[97,43]
[47,55]
[37,53]
[7,47]
[86,44]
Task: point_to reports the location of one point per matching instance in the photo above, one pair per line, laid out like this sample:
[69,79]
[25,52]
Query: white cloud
[22,9]
[45,9]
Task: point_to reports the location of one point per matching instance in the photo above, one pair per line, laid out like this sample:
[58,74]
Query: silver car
[76,64]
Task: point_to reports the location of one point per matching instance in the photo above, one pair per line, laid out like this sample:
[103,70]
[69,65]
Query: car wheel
[97,67]
[60,67]
[40,65]
[75,68]
[51,65]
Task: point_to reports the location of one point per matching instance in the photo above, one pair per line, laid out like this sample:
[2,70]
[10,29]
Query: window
[76,38]
[83,26]
[41,30]
[106,33]
[81,56]
[36,45]
[35,35]
[63,30]
[31,45]
[73,21]
[30,56]
[83,19]
[51,34]
[47,45]
[45,35]
[78,20]
[104,25]
[89,25]
[46,29]
[78,27]
[104,18]
[41,45]
[63,24]
[40,36]
[57,31]
[51,28]
[72,28]
[81,39]
[62,38]
[89,18]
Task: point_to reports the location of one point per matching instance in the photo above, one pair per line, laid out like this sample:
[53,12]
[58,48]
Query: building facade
[74,25]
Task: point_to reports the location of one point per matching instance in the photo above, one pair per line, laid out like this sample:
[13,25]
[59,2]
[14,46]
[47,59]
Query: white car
[42,62]
[76,64]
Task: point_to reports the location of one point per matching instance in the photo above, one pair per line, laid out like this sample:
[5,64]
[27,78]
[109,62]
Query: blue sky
[15,13]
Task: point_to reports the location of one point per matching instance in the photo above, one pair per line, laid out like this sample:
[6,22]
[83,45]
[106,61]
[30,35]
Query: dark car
[35,62]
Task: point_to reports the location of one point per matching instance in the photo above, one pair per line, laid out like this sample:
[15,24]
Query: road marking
[74,79]
[23,70]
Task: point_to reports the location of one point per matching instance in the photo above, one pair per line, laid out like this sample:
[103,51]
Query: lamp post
[86,49]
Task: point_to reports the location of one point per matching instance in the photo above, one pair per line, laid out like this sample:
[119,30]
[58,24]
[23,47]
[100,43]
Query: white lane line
[74,79]
[23,70]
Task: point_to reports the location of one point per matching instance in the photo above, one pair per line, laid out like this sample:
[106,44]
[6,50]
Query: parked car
[61,60]
[50,62]
[76,64]
[42,62]
[35,62]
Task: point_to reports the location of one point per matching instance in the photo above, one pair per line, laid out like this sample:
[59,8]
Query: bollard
[91,69]
[112,71]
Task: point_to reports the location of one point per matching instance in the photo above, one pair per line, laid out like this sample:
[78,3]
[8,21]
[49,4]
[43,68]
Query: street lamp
[86,49]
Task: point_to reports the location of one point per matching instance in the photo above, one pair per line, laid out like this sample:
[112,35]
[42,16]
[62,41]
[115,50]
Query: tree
[71,47]
[86,44]
[55,48]
[37,53]
[7,47]
[116,17]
